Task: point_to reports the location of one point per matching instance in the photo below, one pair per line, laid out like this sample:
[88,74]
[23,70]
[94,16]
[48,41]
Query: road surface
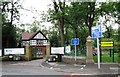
[38,68]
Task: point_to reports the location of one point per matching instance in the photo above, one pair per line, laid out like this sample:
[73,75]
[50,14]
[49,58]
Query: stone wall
[71,60]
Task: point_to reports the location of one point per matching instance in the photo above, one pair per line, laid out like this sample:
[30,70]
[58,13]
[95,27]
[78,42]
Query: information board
[8,51]
[57,50]
[67,49]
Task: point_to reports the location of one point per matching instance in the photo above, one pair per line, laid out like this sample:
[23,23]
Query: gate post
[89,57]
[28,54]
[48,49]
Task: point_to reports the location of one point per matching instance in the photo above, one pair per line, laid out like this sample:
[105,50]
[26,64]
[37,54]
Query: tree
[18,36]
[9,14]
[75,24]
[79,17]
[34,27]
[0,28]
[57,15]
[74,19]
[111,10]
[118,21]
[90,15]
[54,39]
[119,40]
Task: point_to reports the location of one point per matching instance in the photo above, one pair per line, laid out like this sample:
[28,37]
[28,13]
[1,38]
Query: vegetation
[69,19]
[79,17]
[107,58]
[9,14]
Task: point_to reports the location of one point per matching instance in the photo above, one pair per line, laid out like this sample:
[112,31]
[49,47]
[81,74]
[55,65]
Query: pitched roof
[27,35]
[41,33]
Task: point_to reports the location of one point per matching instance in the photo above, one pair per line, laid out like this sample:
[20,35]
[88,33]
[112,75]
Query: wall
[71,60]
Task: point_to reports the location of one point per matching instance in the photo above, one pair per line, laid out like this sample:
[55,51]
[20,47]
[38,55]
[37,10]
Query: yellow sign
[107,44]
[67,49]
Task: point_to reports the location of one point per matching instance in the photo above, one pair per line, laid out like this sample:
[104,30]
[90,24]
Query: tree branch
[55,6]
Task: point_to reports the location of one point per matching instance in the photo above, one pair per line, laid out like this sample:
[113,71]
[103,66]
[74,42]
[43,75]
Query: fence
[81,51]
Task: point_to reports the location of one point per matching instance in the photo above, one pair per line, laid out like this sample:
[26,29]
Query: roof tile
[27,35]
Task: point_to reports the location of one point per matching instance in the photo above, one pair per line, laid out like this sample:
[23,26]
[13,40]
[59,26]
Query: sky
[27,17]
[28,13]
[39,5]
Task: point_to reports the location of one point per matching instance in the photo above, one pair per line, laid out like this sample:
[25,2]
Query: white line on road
[79,65]
[114,68]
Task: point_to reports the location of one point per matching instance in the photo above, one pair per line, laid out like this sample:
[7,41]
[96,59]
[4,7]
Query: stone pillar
[28,54]
[89,57]
[48,50]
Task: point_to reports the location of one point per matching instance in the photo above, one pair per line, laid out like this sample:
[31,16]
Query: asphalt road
[26,68]
[38,68]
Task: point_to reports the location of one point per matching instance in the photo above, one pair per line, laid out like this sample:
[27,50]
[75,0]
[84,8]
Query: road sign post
[98,52]
[97,33]
[75,54]
[75,42]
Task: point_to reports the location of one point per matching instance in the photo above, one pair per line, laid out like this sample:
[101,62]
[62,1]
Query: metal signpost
[97,33]
[75,41]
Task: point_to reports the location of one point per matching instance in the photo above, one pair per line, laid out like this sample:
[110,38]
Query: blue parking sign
[75,41]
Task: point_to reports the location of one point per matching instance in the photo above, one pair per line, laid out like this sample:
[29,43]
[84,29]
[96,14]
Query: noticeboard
[57,50]
[16,51]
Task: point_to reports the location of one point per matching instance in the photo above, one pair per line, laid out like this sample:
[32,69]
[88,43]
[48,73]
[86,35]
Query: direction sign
[107,44]
[96,31]
[75,41]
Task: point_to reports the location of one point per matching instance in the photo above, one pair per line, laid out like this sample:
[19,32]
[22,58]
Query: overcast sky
[28,13]
[32,5]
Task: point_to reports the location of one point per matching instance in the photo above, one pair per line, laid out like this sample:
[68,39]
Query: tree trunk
[58,7]
[90,31]
[76,36]
[7,45]
[62,30]
[11,19]
[90,16]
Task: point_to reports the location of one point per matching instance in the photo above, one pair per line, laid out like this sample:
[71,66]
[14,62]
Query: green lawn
[107,58]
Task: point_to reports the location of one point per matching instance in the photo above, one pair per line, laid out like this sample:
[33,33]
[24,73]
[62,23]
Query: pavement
[88,69]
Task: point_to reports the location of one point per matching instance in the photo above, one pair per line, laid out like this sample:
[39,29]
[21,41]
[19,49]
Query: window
[40,42]
[24,43]
[32,42]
